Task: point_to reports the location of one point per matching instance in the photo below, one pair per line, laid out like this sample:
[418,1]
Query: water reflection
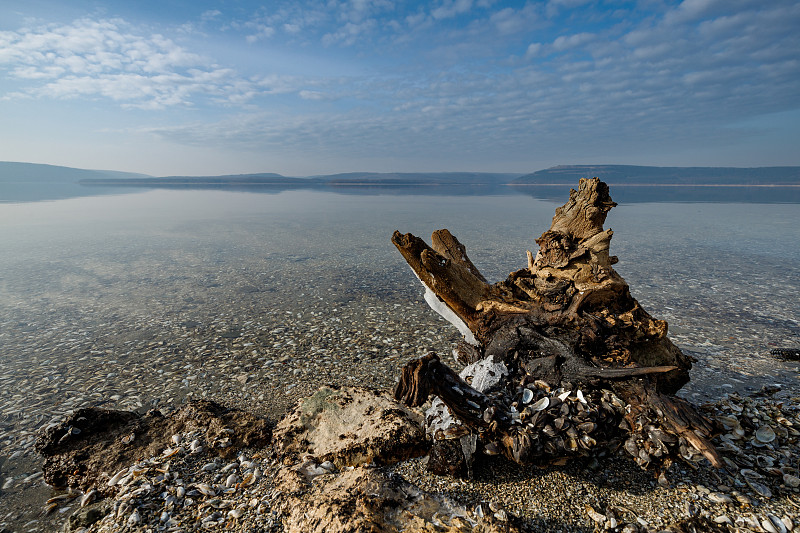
[24,192]
[679,193]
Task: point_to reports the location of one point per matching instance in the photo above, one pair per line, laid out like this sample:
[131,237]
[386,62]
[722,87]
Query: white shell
[718,497]
[114,480]
[580,397]
[773,524]
[88,498]
[527,396]
[206,489]
[541,404]
[765,434]
[134,518]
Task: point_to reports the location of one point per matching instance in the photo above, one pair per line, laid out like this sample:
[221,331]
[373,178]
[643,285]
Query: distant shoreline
[743,185]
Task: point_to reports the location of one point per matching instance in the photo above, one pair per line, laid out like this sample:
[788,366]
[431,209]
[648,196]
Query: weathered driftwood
[574,348]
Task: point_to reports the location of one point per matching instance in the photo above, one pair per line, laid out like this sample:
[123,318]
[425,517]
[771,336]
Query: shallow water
[146,299]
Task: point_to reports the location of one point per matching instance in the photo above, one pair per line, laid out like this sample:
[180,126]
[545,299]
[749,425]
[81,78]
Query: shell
[730,422]
[541,405]
[594,515]
[791,481]
[542,385]
[765,434]
[134,518]
[205,489]
[718,497]
[527,396]
[751,474]
[773,524]
[762,490]
[765,461]
[88,498]
[581,398]
[117,477]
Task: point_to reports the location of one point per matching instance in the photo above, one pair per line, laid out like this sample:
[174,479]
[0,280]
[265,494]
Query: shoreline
[569,498]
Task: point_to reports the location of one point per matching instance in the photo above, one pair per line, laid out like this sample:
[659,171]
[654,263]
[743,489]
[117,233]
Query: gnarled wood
[567,318]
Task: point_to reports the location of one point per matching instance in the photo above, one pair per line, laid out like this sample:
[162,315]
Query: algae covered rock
[350,426]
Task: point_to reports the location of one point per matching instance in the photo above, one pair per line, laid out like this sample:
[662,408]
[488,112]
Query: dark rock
[92,444]
[86,516]
[446,458]
[787,354]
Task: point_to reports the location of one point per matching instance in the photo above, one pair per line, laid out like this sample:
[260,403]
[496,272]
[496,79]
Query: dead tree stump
[563,361]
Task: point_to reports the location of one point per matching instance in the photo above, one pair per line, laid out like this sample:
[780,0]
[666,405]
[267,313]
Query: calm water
[145,299]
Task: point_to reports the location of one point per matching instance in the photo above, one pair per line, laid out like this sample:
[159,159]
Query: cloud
[508,20]
[553,7]
[568,42]
[262,32]
[211,14]
[109,59]
[311,95]
[647,83]
[451,8]
[395,79]
[534,49]
[349,33]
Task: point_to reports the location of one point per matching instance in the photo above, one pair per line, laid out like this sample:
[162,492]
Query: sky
[304,87]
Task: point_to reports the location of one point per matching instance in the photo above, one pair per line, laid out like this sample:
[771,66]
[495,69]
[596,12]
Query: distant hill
[228,180]
[11,172]
[31,182]
[639,175]
[350,182]
[23,182]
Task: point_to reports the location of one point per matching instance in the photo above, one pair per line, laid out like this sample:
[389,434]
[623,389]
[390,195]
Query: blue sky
[308,87]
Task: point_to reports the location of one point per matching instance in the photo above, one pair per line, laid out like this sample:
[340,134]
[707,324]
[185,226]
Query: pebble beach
[259,324]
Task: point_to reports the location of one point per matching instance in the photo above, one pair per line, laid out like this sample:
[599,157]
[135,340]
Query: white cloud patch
[211,14]
[451,8]
[568,42]
[109,59]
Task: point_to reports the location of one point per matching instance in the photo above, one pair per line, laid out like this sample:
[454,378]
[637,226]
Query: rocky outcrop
[366,500]
[350,426]
[330,443]
[87,448]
